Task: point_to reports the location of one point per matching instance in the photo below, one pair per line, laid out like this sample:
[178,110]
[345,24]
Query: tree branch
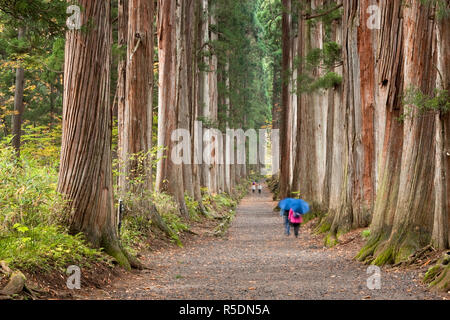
[308,17]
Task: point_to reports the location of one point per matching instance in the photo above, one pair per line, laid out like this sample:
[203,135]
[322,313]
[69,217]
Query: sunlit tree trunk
[389,133]
[85,176]
[285,101]
[136,122]
[403,217]
[213,96]
[184,100]
[121,88]
[441,224]
[169,175]
[358,97]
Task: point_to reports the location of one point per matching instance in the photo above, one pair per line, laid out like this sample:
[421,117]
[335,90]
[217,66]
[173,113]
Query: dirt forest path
[257,261]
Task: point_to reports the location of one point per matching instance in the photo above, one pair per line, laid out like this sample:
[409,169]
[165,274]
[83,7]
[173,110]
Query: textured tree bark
[136,119]
[408,227]
[441,224]
[389,133]
[301,40]
[18,103]
[196,105]
[184,63]
[213,98]
[335,142]
[285,97]
[412,221]
[228,186]
[293,112]
[169,174]
[205,85]
[358,186]
[121,89]
[138,114]
[85,177]
[311,121]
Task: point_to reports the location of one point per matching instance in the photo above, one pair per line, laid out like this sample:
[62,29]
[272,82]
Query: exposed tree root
[367,252]
[114,249]
[159,221]
[191,232]
[202,209]
[438,276]
[417,256]
[394,250]
[17,284]
[330,225]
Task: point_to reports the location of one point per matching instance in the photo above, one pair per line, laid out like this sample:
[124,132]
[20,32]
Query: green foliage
[442,8]
[240,46]
[135,231]
[31,235]
[416,99]
[169,211]
[208,123]
[193,208]
[327,59]
[328,81]
[365,234]
[27,190]
[46,248]
[39,15]
[41,55]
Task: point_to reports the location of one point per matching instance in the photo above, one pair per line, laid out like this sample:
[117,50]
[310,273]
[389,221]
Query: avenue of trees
[358,89]
[119,83]
[365,120]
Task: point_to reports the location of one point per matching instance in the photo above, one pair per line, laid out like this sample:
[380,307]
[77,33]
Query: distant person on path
[260,188]
[254,187]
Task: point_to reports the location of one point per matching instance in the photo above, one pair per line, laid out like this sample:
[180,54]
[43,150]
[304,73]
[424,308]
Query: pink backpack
[295,217]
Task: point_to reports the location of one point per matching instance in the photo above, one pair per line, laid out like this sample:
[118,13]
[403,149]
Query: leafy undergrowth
[273,182]
[46,248]
[226,205]
[33,234]
[33,238]
[139,232]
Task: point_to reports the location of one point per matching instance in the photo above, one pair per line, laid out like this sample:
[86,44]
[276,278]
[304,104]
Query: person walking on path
[295,220]
[298,207]
[260,188]
[287,224]
[254,187]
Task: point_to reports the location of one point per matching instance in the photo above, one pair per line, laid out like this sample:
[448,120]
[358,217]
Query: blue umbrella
[297,205]
[285,204]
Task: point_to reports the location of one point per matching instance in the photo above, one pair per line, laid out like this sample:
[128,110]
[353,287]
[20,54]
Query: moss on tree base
[114,250]
[330,240]
[391,248]
[438,276]
[323,227]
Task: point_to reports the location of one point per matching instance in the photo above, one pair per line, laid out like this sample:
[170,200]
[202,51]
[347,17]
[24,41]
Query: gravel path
[257,261]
